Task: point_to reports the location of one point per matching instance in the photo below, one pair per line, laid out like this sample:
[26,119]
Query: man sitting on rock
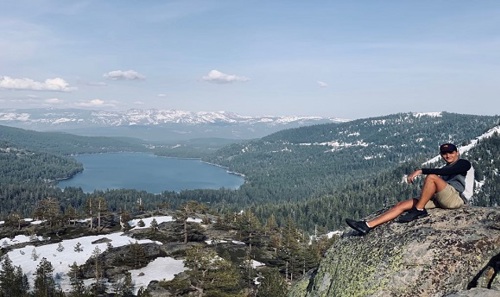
[443,187]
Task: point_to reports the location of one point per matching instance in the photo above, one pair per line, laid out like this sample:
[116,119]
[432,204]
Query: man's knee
[432,178]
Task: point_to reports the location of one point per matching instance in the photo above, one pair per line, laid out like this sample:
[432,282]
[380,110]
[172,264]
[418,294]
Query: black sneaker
[359,226]
[412,215]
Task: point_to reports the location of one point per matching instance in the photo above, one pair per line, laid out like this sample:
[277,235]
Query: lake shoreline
[149,172]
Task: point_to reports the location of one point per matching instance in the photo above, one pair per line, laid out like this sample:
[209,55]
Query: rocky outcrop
[449,253]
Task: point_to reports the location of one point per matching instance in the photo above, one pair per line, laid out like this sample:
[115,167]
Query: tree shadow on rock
[489,272]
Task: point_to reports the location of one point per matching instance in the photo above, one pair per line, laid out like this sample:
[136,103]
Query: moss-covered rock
[445,253]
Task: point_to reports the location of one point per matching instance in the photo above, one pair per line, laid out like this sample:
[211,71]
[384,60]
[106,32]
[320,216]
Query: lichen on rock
[448,252]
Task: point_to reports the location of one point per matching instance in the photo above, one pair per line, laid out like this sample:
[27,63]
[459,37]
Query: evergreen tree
[97,264]
[125,217]
[226,221]
[109,246]
[99,287]
[12,280]
[6,277]
[137,254]
[141,223]
[211,275]
[78,247]
[70,215]
[128,286]
[77,286]
[186,211]
[49,210]
[34,255]
[60,247]
[44,281]
[154,226]
[248,225]
[290,250]
[21,283]
[14,219]
[272,284]
[124,287]
[271,224]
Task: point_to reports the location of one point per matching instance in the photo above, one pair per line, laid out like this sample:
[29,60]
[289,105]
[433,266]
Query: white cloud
[52,84]
[124,75]
[216,76]
[322,84]
[97,84]
[54,101]
[162,95]
[93,103]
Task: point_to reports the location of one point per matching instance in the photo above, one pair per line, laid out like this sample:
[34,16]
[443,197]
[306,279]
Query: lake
[154,174]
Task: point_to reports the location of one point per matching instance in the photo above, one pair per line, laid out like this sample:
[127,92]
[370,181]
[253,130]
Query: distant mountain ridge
[150,123]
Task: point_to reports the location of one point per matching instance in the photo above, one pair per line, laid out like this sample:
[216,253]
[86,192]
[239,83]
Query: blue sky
[346,59]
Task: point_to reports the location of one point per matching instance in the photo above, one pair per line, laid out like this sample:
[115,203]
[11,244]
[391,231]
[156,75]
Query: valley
[301,182]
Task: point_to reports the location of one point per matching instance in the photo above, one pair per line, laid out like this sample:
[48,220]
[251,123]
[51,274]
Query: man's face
[450,157]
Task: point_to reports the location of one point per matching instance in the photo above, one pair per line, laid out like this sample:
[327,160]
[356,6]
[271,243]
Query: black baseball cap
[447,148]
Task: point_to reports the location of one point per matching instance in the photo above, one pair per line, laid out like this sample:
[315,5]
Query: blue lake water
[148,172]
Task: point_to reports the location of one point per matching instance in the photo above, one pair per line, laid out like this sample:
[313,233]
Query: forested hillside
[20,165]
[67,144]
[294,164]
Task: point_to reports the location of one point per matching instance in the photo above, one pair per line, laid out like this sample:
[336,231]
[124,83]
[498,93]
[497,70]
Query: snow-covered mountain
[149,123]
[62,117]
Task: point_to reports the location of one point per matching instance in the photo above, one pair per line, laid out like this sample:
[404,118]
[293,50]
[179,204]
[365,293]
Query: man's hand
[411,178]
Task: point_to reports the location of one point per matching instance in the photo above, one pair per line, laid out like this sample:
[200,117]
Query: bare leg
[393,212]
[432,184]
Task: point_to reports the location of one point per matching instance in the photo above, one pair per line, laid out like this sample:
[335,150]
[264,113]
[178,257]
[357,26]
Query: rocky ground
[449,253]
